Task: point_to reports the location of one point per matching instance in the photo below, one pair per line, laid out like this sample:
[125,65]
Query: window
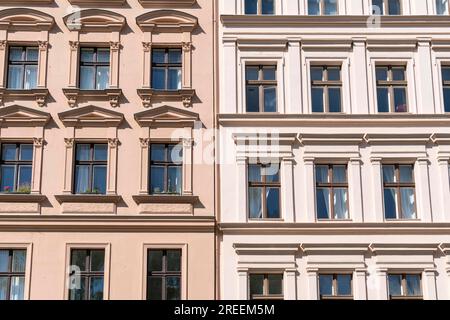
[163,274]
[261,88]
[266,287]
[90,168]
[441,7]
[326,87]
[166,162]
[264,191]
[386,7]
[399,192]
[12,274]
[405,286]
[259,6]
[335,286]
[391,89]
[332,192]
[322,7]
[91,267]
[16,167]
[23,67]
[446,87]
[94,68]
[166,69]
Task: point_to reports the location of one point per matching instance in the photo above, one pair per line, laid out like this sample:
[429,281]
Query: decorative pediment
[170,20]
[166,116]
[91,116]
[94,20]
[18,115]
[24,18]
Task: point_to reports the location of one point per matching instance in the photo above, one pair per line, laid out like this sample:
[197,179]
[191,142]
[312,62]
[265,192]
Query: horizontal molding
[22,198]
[88,198]
[165,199]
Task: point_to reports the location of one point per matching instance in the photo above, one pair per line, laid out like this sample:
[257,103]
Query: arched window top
[24,18]
[94,20]
[171,20]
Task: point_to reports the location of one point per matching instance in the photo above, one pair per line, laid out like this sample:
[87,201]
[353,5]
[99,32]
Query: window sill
[22,197]
[112,95]
[336,297]
[117,3]
[163,3]
[39,95]
[148,95]
[402,220]
[276,220]
[165,199]
[335,220]
[88,198]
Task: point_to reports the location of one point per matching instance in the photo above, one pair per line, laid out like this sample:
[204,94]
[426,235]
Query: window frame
[264,185]
[259,9]
[166,164]
[391,84]
[398,186]
[385,8]
[10,274]
[334,287]
[163,274]
[166,65]
[88,274]
[404,287]
[331,185]
[91,163]
[265,295]
[322,9]
[96,64]
[261,84]
[17,163]
[326,84]
[445,85]
[23,64]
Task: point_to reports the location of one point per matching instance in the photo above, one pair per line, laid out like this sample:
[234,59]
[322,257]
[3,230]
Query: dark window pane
[102,78]
[446,73]
[382,73]
[339,174]
[275,283]
[413,285]
[155,258]
[394,7]
[252,73]
[406,174]
[313,7]
[79,293]
[174,180]
[96,288]
[9,152]
[157,179]
[390,203]
[19,261]
[272,173]
[330,7]
[17,288]
[254,173]
[101,152]
[326,285]
[30,81]
[175,153]
[395,285]
[334,95]
[322,174]
[269,73]
[268,7]
[273,203]
[316,73]
[174,82]
[97,260]
[323,203]
[340,203]
[103,55]
[255,203]
[317,99]
[87,78]
[158,152]
[408,203]
[16,54]
[83,152]
[398,73]
[99,180]
[154,288]
[447,99]
[400,100]
[270,99]
[24,179]
[78,258]
[3,288]
[26,152]
[175,56]
[82,179]
[7,178]
[252,99]
[256,284]
[344,285]
[15,77]
[173,260]
[173,285]
[334,74]
[158,56]
[158,78]
[383,99]
[377,7]
[32,54]
[251,6]
[441,7]
[4,260]
[87,55]
[389,174]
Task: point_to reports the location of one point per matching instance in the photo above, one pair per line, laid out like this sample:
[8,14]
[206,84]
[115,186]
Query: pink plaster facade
[128,116]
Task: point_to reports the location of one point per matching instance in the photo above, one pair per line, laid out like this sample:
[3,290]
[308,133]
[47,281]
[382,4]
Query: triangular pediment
[91,115]
[24,17]
[166,115]
[167,19]
[22,115]
[96,19]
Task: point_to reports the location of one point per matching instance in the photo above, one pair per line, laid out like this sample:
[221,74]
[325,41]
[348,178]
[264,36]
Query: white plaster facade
[366,245]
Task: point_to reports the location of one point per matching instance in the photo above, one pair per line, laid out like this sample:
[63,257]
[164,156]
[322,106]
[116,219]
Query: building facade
[334,149]
[103,192]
